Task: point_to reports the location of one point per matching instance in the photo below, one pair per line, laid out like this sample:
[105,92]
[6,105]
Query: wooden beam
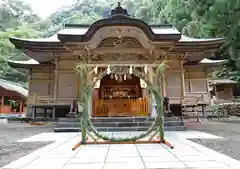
[121,64]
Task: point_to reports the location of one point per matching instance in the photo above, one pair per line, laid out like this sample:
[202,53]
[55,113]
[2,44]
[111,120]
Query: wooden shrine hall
[122,41]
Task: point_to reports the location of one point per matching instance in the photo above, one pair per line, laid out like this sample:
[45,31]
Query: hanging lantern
[130,70]
[108,70]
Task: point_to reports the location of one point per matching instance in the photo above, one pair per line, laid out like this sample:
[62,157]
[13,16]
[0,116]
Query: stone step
[119,129]
[118,124]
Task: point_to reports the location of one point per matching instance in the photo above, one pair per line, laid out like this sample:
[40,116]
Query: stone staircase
[115,124]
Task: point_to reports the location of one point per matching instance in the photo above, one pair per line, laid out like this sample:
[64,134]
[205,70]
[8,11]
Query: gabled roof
[7,85]
[72,31]
[118,17]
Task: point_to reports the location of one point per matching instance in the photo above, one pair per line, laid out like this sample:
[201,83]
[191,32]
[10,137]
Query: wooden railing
[193,103]
[191,97]
[140,106]
[121,107]
[48,100]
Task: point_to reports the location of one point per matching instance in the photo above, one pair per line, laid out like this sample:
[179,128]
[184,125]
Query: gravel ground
[10,150]
[228,129]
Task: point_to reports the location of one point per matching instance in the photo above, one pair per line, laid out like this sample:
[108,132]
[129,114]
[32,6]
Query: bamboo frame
[149,141]
[84,117]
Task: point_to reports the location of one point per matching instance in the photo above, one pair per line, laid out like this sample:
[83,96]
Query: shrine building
[122,41]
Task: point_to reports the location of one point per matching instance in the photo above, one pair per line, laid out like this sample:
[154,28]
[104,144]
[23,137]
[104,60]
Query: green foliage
[231,109]
[16,20]
[208,18]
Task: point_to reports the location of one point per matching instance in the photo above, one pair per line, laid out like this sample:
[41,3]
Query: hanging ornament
[125,77]
[112,76]
[120,78]
[130,70]
[145,69]
[96,69]
[108,70]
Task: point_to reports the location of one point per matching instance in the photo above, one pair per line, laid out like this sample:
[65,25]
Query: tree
[16,20]
[208,18]
[15,12]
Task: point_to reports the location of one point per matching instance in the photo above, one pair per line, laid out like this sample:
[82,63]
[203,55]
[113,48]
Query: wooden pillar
[33,112]
[29,81]
[2,103]
[34,107]
[56,79]
[78,86]
[2,100]
[10,105]
[182,79]
[78,82]
[21,106]
[53,113]
[182,83]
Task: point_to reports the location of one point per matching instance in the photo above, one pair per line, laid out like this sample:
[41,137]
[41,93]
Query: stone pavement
[186,154]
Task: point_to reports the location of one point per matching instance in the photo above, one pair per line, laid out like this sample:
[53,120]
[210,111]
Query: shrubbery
[229,109]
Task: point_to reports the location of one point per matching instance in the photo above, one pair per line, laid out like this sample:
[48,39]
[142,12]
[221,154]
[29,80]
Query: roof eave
[203,42]
[28,66]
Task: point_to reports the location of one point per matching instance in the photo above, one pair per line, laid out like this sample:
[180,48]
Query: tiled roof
[13,87]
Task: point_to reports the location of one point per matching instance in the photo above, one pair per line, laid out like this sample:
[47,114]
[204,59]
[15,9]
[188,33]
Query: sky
[44,8]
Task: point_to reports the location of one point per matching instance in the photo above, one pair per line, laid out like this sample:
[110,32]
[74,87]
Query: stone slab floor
[186,153]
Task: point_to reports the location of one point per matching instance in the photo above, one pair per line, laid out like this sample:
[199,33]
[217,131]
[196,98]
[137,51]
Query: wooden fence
[133,107]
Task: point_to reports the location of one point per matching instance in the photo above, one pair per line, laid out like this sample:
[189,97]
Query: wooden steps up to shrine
[115,124]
